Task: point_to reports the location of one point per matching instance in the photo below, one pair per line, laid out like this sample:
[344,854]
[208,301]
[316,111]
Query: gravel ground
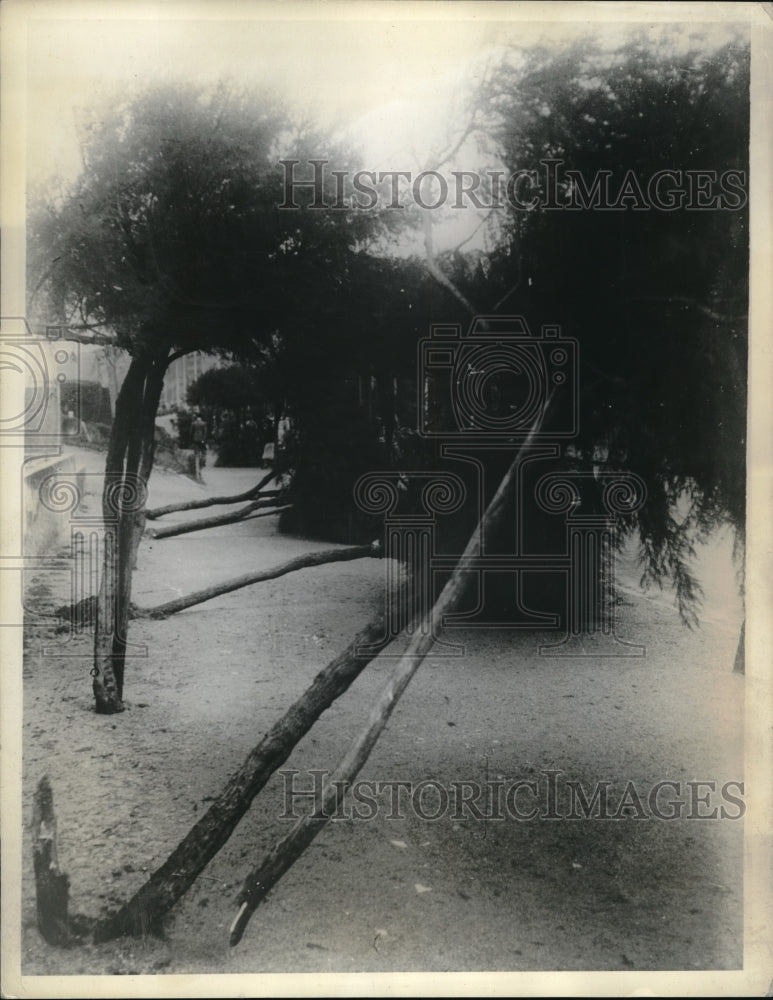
[464,891]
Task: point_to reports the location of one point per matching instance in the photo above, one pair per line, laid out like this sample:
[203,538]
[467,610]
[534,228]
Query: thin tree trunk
[250,494]
[300,562]
[107,672]
[127,470]
[154,388]
[290,848]
[146,910]
[139,464]
[214,521]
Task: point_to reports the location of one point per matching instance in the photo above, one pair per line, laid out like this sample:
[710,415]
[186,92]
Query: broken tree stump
[52,887]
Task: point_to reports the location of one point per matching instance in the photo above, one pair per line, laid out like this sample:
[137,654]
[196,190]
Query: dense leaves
[657,298]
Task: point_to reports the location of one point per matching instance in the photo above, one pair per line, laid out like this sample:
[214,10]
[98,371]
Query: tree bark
[214,521]
[107,672]
[250,494]
[145,911]
[300,562]
[153,389]
[260,881]
[128,466]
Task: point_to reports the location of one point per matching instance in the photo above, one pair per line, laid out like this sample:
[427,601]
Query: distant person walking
[199,442]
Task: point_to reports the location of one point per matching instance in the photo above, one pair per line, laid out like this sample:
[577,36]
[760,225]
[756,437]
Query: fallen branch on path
[300,562]
[146,909]
[249,494]
[261,880]
[82,614]
[219,519]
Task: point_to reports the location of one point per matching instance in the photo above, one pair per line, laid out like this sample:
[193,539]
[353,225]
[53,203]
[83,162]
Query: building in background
[108,366]
[181,374]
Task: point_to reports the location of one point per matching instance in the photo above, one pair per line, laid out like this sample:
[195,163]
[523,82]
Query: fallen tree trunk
[217,520]
[261,880]
[250,494]
[300,562]
[82,614]
[146,909]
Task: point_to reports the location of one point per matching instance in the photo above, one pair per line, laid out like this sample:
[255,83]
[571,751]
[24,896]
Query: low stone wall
[46,511]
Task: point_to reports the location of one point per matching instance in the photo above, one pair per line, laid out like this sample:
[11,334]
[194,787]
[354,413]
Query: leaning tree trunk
[146,910]
[107,674]
[260,881]
[127,470]
[251,494]
[217,520]
[248,579]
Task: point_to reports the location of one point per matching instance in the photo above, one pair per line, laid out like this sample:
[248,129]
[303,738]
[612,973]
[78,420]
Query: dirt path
[389,894]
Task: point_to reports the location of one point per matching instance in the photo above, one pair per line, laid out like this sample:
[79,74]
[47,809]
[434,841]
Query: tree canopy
[174,233]
[628,227]
[657,296]
[173,240]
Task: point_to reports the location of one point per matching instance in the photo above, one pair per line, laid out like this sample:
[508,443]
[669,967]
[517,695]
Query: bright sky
[335,71]
[391,74]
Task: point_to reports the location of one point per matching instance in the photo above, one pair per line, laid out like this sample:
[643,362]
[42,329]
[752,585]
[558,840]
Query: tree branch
[219,519]
[435,271]
[249,494]
[101,339]
[175,356]
[147,908]
[300,562]
[259,882]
